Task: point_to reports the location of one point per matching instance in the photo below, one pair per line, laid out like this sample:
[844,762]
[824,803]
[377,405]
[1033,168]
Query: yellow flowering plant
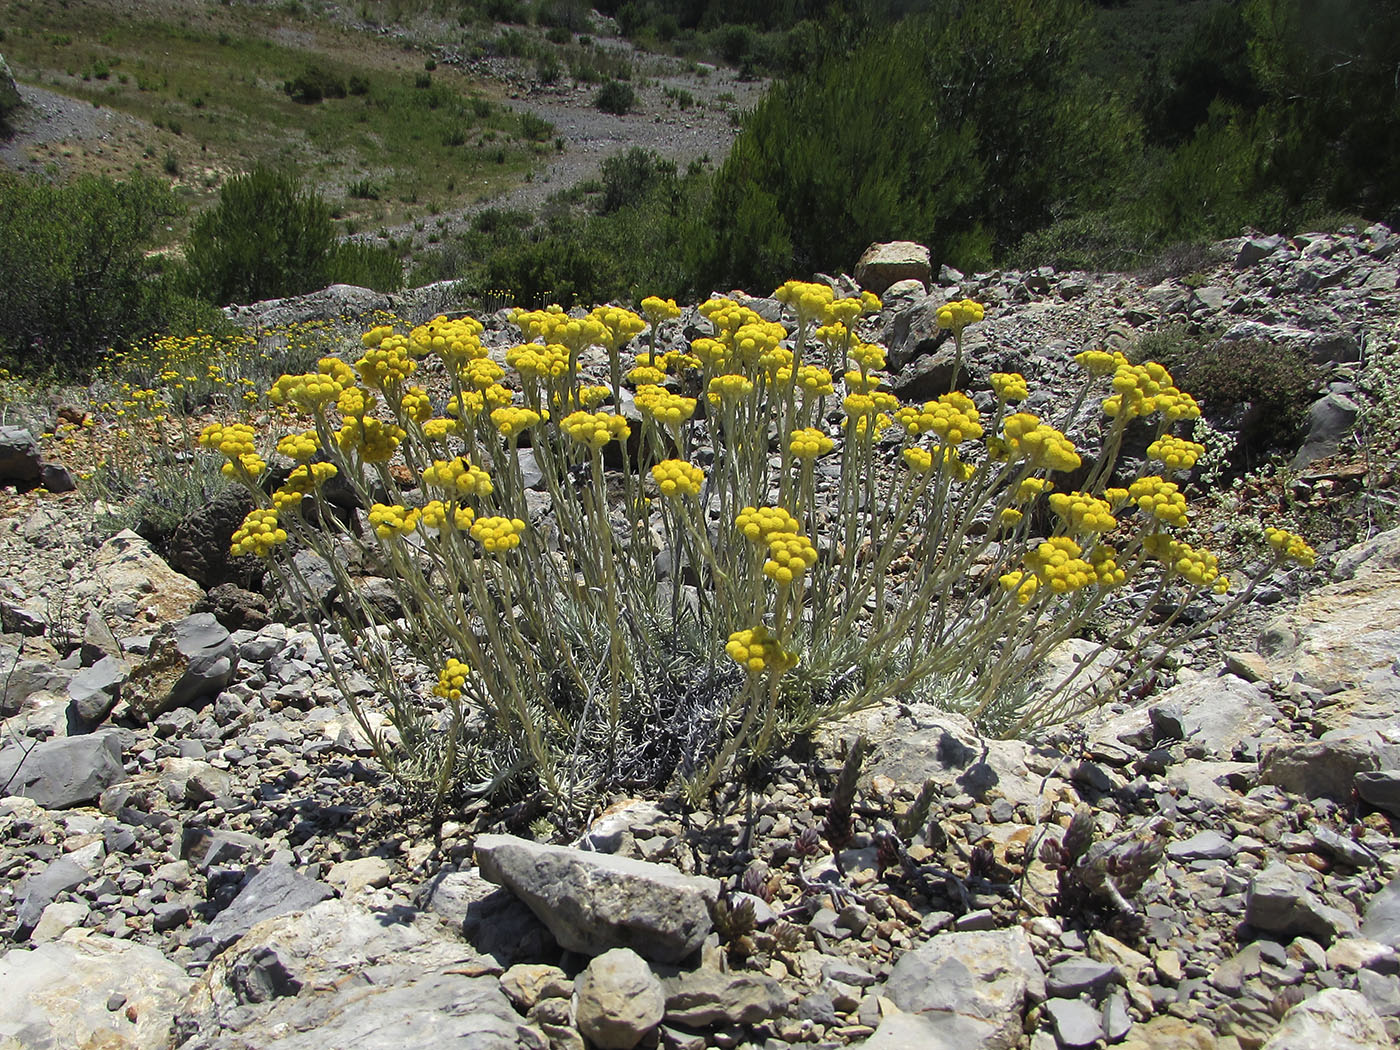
[724,545]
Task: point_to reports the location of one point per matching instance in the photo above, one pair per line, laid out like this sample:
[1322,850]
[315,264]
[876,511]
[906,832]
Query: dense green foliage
[1004,130]
[74,274]
[621,242]
[268,237]
[964,132]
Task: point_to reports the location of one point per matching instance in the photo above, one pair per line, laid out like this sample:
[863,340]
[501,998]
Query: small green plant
[313,85]
[564,655]
[535,128]
[615,97]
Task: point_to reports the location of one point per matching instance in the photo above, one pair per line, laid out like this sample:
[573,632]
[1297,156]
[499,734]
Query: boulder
[697,998]
[141,587]
[592,902]
[95,690]
[340,975]
[89,990]
[199,546]
[38,892]
[1216,714]
[488,917]
[1325,768]
[276,890]
[237,608]
[20,679]
[617,1000]
[69,771]
[1330,418]
[20,463]
[1335,1019]
[980,983]
[1381,920]
[189,661]
[882,265]
[1280,900]
[337,300]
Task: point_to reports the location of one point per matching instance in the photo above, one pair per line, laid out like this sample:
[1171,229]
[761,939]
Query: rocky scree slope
[198,851]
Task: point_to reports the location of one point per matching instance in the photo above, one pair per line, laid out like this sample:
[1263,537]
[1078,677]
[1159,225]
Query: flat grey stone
[490,918]
[60,876]
[276,890]
[1072,977]
[1324,768]
[1381,919]
[617,1000]
[1335,1019]
[697,998]
[1279,900]
[190,660]
[1076,1022]
[1381,788]
[1205,845]
[95,690]
[592,902]
[69,771]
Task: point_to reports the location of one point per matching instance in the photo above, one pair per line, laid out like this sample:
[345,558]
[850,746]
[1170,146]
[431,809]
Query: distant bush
[615,97]
[75,277]
[267,237]
[535,128]
[631,176]
[368,265]
[315,84]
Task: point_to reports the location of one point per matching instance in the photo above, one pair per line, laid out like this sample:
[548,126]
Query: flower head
[496,534]
[676,477]
[258,534]
[756,651]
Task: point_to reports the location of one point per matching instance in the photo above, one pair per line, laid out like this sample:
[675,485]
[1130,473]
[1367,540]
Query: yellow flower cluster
[473,403]
[1141,390]
[391,521]
[534,361]
[809,443]
[1058,564]
[301,447]
[807,299]
[1175,453]
[1023,585]
[454,341]
[959,315]
[1030,488]
[1010,386]
[416,405]
[355,401]
[258,534]
[595,429]
[457,477]
[1291,547]
[815,381]
[310,392]
[867,356]
[953,417]
[790,555]
[452,679]
[375,440]
[232,440]
[709,352]
[676,477]
[726,315]
[511,422]
[439,515]
[657,309]
[1160,498]
[386,365]
[481,374]
[755,342]
[438,430]
[666,408]
[729,389]
[759,523]
[1083,512]
[646,375]
[620,326]
[1104,559]
[1195,566]
[308,477]
[496,534]
[1041,444]
[1097,362]
[756,651]
[591,395]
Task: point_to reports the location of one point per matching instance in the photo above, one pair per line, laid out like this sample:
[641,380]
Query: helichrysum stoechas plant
[714,573]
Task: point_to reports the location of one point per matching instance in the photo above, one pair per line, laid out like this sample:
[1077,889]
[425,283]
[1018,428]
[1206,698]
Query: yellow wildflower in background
[756,651]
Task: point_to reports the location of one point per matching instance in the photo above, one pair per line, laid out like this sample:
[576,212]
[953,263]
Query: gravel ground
[50,118]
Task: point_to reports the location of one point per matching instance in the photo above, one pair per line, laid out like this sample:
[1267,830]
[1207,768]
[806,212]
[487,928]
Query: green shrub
[368,265]
[267,237]
[630,177]
[314,84]
[535,128]
[74,275]
[615,97]
[1278,383]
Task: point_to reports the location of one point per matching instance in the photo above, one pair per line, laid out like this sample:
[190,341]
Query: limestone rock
[142,587]
[1279,900]
[57,994]
[1335,1019]
[69,771]
[19,456]
[983,979]
[95,690]
[1324,768]
[881,265]
[490,918]
[276,890]
[1215,713]
[339,975]
[617,1000]
[696,998]
[592,902]
[189,660]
